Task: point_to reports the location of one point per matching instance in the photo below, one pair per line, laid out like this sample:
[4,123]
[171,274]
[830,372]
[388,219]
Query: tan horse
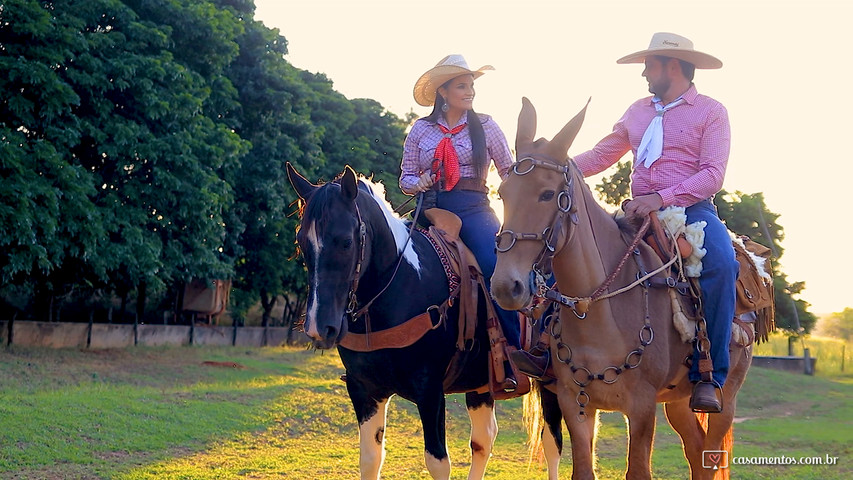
[615,352]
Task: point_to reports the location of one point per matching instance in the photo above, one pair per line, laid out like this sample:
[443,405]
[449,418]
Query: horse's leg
[581,434]
[641,434]
[552,435]
[686,424]
[431,410]
[719,436]
[484,430]
[371,416]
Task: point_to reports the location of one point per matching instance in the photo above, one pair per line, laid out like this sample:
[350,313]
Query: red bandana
[445,156]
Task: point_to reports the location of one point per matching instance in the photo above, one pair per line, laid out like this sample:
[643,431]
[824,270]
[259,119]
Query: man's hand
[643,205]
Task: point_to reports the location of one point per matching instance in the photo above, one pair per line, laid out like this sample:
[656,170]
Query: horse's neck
[583,252]
[382,246]
[584,263]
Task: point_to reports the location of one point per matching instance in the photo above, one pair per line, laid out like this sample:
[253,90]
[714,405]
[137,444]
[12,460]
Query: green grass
[833,356]
[161,413]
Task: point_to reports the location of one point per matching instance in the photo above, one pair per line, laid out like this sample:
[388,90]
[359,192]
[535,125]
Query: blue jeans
[719,274]
[479,227]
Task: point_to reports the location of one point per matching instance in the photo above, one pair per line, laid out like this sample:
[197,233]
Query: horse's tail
[727,444]
[534,423]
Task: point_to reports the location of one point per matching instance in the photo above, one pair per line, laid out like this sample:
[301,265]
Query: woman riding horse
[447,156]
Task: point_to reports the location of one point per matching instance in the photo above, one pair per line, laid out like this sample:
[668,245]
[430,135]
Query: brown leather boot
[533,363]
[704,398]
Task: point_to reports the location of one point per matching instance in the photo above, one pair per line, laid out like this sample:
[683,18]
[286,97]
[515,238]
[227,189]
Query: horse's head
[538,197]
[331,238]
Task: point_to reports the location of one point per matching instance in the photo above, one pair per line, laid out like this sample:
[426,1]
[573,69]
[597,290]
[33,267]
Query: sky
[786,70]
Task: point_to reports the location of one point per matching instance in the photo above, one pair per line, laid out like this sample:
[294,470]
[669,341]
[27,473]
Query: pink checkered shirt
[696,140]
[419,149]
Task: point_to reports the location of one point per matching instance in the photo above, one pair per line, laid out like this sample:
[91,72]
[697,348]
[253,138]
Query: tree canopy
[142,145]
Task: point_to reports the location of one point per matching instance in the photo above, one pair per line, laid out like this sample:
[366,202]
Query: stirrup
[510,385]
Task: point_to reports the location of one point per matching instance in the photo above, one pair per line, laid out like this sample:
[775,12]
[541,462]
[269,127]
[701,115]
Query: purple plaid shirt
[696,140]
[423,138]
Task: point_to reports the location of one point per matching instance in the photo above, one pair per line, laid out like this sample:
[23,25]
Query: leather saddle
[444,232]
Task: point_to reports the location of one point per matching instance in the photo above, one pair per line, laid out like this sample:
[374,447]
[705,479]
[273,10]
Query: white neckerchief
[651,145]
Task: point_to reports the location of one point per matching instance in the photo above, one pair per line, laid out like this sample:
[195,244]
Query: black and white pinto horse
[349,236]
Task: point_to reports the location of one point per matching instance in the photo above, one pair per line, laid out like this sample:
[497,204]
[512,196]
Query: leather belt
[472,184]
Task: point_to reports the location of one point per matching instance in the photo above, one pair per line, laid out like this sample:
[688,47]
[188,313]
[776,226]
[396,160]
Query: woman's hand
[424,183]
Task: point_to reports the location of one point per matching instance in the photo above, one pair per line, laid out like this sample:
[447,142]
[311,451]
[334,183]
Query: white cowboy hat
[448,68]
[675,46]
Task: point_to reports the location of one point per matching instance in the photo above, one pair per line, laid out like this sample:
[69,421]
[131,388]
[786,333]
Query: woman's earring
[445,108]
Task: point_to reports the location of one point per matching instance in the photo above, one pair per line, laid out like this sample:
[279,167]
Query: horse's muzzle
[327,336]
[511,292]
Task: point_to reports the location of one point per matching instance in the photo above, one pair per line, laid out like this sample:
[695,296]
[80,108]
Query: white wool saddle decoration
[756,260]
[674,221]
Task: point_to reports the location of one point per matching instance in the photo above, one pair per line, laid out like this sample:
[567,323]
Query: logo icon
[715,459]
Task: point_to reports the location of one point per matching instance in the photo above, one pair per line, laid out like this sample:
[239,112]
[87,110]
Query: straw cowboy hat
[675,46]
[448,68]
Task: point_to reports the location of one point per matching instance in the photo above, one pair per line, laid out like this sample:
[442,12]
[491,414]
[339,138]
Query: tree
[274,115]
[839,325]
[108,132]
[616,189]
[747,214]
[142,145]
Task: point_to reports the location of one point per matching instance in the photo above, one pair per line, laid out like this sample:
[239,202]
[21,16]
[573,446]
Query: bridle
[352,303]
[506,239]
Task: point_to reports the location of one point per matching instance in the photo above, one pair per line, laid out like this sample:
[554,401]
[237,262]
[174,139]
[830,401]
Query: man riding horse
[680,140]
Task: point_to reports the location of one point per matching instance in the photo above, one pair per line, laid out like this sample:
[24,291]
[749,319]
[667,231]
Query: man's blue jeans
[719,275]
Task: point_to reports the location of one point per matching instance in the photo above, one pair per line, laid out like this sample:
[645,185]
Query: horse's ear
[526,124]
[563,140]
[303,187]
[349,184]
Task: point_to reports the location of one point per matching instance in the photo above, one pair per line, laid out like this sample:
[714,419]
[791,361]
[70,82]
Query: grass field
[274,413]
[833,356]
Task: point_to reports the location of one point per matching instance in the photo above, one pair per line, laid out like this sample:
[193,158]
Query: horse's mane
[628,225]
[398,228]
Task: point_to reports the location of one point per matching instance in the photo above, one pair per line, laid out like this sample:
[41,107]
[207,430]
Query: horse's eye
[347,244]
[546,196]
